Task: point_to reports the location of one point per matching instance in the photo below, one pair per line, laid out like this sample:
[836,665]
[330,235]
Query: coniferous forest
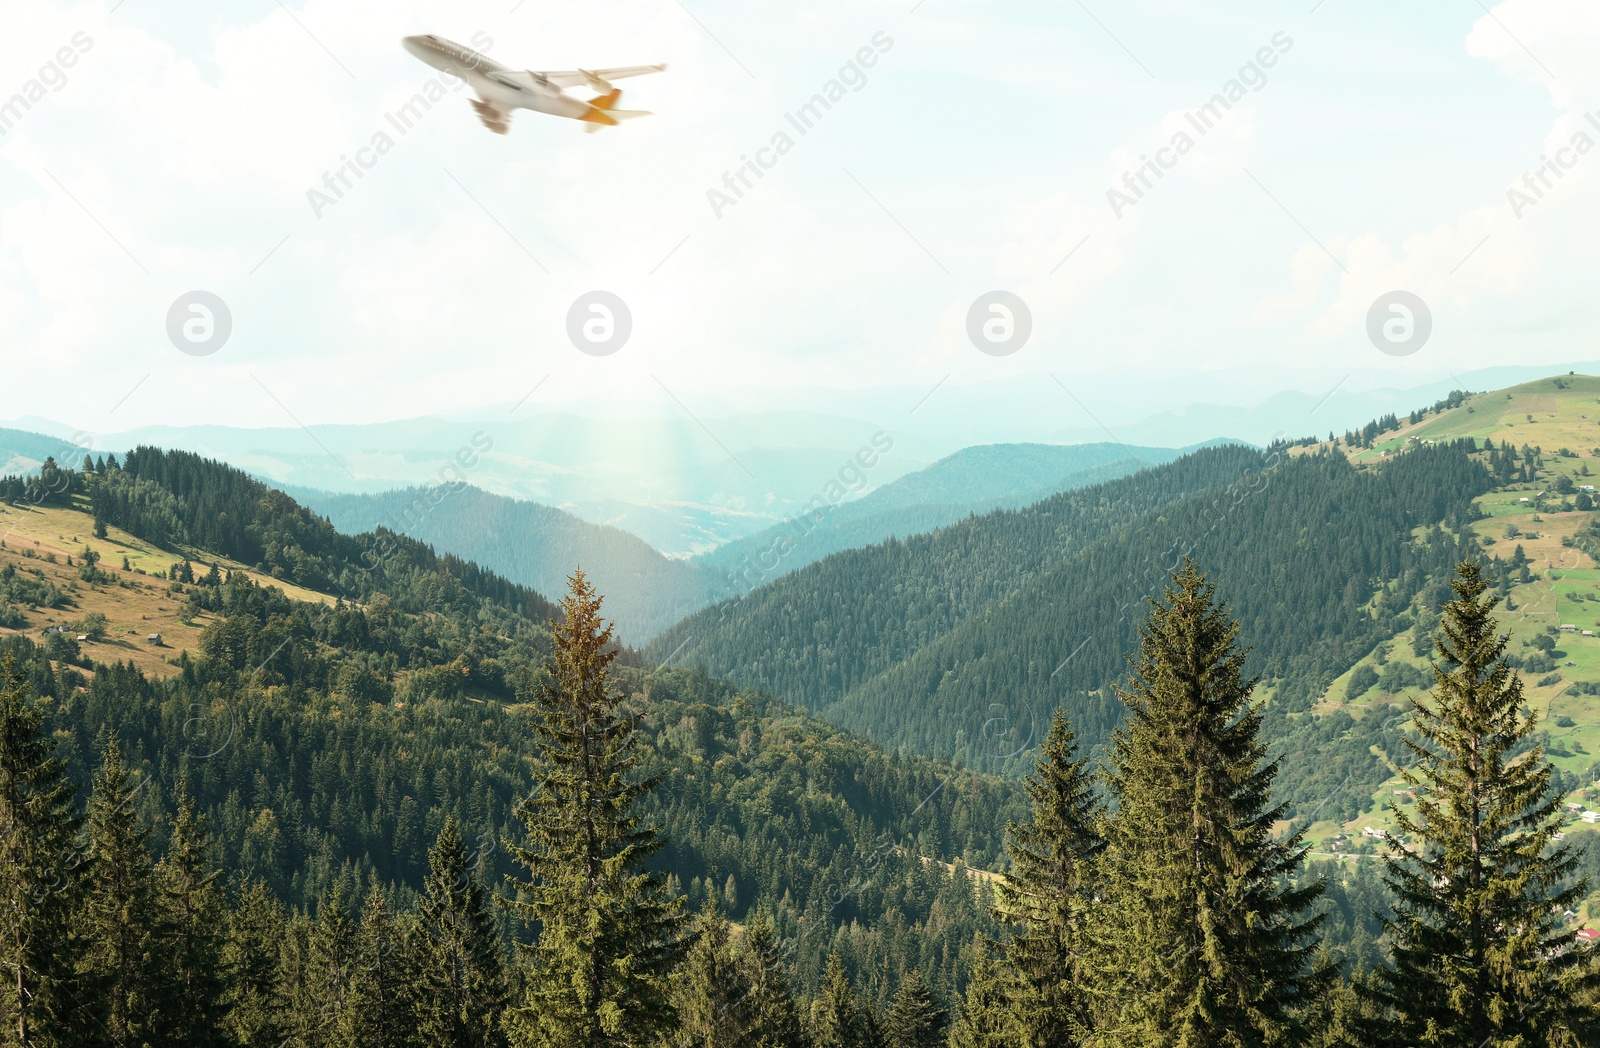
[439,810]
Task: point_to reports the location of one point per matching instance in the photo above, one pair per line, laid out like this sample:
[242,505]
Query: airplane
[502,90]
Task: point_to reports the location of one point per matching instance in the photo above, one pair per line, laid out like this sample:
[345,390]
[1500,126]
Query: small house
[1568,628]
[82,637]
[1370,832]
[1590,816]
[1588,633]
[154,638]
[1588,936]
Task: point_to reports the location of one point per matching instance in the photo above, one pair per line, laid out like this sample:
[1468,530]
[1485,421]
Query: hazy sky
[1370,149]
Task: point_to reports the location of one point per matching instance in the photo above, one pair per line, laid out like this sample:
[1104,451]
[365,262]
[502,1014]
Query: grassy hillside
[1562,411]
[44,548]
[1541,525]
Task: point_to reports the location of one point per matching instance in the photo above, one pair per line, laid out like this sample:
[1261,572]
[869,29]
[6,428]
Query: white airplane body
[502,90]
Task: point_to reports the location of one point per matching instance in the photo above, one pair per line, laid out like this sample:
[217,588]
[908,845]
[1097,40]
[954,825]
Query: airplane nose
[417,45]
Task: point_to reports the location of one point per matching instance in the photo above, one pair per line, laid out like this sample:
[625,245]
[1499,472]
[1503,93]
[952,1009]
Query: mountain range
[332,694]
[690,473]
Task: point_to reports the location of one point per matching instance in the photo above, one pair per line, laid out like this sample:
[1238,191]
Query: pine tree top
[1478,878]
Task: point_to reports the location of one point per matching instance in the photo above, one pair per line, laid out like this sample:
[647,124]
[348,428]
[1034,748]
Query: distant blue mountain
[24,452]
[972,481]
[535,545]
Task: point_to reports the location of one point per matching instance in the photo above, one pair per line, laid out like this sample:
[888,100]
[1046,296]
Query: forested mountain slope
[816,634]
[1320,560]
[326,742]
[959,643]
[327,739]
[975,480]
[176,499]
[537,546]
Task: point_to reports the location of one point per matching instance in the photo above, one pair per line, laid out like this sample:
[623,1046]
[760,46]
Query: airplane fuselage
[498,85]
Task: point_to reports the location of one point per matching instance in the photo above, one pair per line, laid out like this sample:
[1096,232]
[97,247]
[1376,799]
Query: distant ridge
[535,545]
[974,480]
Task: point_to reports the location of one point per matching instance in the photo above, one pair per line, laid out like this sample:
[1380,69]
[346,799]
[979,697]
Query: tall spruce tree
[1046,894]
[38,881]
[252,944]
[837,1020]
[1202,939]
[986,1018]
[321,969]
[773,1016]
[127,979]
[608,934]
[188,876]
[386,990]
[915,1019]
[1479,955]
[712,991]
[463,975]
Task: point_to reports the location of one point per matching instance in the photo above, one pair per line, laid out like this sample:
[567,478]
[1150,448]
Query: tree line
[1177,911]
[1155,900]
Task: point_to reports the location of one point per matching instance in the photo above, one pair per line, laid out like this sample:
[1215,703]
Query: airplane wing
[599,79]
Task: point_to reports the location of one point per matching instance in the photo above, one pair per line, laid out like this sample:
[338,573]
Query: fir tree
[915,1019]
[986,1018]
[1202,942]
[712,988]
[837,1021]
[608,935]
[251,946]
[384,985]
[122,925]
[1479,954]
[320,1013]
[463,976]
[37,881]
[1046,894]
[193,904]
[774,1018]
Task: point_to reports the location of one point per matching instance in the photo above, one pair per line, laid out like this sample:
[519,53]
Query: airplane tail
[603,112]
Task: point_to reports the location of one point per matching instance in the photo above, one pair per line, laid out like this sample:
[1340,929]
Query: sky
[1369,154]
